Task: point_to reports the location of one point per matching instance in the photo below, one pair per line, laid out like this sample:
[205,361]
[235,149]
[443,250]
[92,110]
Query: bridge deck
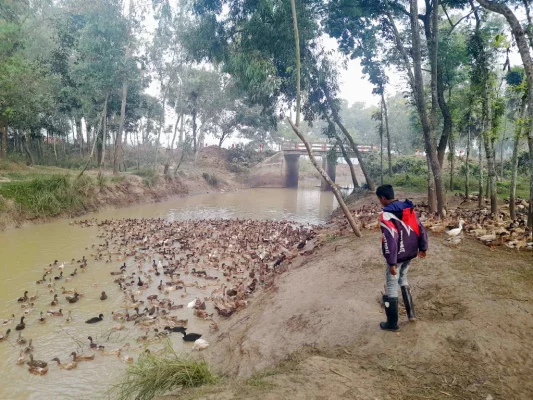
[320,147]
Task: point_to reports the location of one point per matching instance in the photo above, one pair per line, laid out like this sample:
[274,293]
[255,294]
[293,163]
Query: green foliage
[153,376]
[246,155]
[410,165]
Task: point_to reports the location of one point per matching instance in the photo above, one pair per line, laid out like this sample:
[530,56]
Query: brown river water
[25,252]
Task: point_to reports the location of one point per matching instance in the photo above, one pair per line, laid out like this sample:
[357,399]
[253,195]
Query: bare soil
[315,334]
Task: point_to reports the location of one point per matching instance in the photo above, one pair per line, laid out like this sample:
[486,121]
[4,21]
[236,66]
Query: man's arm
[389,243]
[423,238]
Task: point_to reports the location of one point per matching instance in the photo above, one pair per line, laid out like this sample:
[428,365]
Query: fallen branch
[326,177]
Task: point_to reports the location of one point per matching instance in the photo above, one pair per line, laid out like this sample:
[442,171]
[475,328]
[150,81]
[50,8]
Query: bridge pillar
[292,167]
[331,169]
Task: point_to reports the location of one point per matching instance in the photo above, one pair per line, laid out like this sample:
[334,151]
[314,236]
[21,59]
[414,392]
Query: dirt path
[472,340]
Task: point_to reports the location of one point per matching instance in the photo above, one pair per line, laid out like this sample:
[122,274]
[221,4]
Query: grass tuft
[101,180]
[153,376]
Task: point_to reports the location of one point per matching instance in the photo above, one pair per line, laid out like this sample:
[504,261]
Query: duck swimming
[191,337]
[36,363]
[4,337]
[81,357]
[103,296]
[94,345]
[21,325]
[94,320]
[67,366]
[24,298]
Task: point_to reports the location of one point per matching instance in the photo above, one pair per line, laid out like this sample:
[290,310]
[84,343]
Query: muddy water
[24,253]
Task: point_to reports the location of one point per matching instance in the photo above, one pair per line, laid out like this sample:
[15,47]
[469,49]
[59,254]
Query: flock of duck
[159,264]
[491,230]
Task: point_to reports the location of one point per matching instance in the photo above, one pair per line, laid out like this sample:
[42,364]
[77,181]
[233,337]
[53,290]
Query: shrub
[153,376]
[212,180]
[146,173]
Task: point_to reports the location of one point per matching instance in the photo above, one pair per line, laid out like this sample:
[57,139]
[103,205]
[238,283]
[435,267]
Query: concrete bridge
[282,169]
[293,150]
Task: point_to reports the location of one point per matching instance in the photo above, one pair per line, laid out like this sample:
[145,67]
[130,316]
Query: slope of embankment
[315,333]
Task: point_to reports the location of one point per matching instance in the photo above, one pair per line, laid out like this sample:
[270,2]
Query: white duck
[456,231]
[200,344]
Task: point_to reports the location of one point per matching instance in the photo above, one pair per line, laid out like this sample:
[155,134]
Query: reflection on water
[25,252]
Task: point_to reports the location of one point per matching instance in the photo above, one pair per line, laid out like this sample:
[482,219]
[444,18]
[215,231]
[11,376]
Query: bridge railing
[321,147]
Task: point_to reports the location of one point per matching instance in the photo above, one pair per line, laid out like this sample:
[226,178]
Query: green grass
[118,178]
[48,196]
[149,175]
[101,180]
[145,172]
[153,376]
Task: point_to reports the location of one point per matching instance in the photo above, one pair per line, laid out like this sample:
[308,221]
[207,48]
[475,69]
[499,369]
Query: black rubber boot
[408,302]
[392,314]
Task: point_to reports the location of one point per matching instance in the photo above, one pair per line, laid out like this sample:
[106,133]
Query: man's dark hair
[385,191]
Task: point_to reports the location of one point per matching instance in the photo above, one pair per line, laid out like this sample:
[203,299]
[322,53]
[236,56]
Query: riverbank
[315,332]
[40,194]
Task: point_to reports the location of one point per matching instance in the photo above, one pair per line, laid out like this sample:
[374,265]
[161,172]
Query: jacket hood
[399,205]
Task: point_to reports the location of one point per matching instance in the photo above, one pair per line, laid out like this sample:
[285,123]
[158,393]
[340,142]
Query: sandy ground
[315,334]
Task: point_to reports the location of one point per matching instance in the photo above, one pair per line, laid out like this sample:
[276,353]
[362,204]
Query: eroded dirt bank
[209,173]
[315,333]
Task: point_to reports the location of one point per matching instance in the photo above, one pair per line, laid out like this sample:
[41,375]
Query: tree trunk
[353,145]
[194,126]
[118,141]
[524,49]
[381,146]
[175,132]
[27,150]
[467,163]
[96,137]
[79,133]
[432,198]
[452,161]
[161,126]
[530,215]
[88,128]
[348,161]
[480,200]
[181,128]
[54,145]
[421,106]
[323,173]
[489,152]
[514,163]
[504,138]
[386,115]
[100,134]
[3,132]
[326,177]
[298,68]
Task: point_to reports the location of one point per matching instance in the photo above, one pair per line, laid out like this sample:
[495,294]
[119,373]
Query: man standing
[404,238]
